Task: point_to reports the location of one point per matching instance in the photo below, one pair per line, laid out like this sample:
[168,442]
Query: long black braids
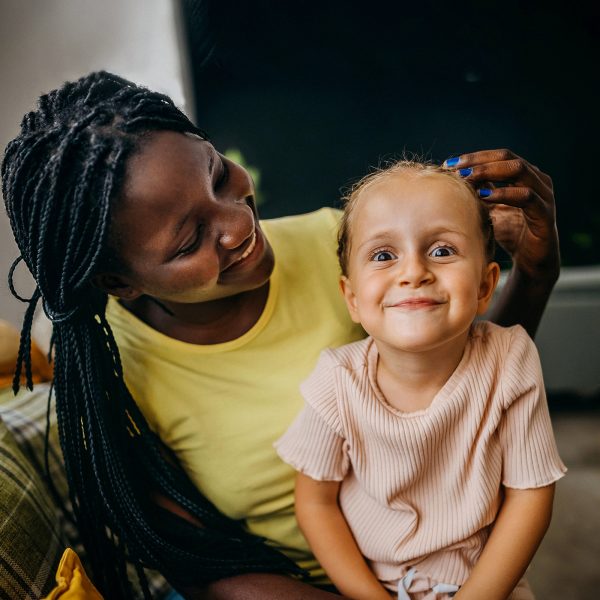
[60,177]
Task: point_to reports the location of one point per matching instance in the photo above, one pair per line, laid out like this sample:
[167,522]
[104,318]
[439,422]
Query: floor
[567,565]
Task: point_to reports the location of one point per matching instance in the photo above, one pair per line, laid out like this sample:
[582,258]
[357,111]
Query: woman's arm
[521,200]
[257,585]
[266,586]
[331,540]
[519,528]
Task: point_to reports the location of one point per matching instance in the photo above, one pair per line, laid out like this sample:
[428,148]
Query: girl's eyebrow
[379,238]
[384,236]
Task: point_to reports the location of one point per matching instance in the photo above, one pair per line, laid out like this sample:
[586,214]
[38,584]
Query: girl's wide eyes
[382,255]
[442,252]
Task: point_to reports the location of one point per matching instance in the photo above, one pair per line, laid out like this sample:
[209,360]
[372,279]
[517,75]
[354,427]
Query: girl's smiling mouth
[415,303]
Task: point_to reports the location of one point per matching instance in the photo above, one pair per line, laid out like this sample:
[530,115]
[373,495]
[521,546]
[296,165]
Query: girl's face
[417,275]
[186,225]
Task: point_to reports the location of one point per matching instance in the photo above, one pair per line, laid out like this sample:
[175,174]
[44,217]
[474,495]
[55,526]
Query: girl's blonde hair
[417,169]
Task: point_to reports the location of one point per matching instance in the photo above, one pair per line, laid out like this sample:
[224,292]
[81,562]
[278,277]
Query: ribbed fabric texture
[422,488]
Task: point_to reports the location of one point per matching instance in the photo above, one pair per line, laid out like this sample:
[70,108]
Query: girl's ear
[116,285]
[350,298]
[489,281]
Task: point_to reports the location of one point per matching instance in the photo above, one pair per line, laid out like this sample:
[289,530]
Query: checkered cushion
[34,530]
[31,542]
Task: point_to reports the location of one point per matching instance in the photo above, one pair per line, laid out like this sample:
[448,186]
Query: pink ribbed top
[422,488]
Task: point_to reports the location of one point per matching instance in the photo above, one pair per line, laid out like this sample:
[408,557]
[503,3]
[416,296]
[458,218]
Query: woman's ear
[116,285]
[489,281]
[350,298]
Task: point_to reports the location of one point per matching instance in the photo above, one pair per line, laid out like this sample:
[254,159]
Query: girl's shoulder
[351,357]
[509,351]
[490,335]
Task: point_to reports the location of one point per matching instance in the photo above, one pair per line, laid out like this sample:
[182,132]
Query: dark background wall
[313,94]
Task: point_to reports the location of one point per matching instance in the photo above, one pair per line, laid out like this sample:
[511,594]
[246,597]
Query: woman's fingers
[538,213]
[521,197]
[471,159]
[499,165]
[521,201]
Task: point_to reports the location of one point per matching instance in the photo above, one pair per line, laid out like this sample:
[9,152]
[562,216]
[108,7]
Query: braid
[61,176]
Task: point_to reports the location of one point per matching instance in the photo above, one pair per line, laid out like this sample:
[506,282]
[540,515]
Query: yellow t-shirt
[220,407]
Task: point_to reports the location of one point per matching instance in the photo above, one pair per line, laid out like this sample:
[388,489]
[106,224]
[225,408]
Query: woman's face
[186,225]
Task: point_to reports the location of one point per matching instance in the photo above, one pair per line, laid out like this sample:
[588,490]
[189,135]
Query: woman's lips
[246,255]
[249,249]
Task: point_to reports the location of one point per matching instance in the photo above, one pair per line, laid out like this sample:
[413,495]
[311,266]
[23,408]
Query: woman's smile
[253,248]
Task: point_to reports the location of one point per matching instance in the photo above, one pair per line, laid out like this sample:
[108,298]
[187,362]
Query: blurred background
[313,94]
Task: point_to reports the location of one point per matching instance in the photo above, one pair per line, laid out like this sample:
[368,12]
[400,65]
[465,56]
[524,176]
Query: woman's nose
[230,241]
[235,227]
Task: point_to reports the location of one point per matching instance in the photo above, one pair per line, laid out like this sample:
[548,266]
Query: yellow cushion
[72,581]
[41,369]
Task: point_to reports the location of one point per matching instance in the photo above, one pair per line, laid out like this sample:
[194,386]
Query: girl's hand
[521,200]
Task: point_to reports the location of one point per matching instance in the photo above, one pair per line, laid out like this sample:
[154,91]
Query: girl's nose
[414,270]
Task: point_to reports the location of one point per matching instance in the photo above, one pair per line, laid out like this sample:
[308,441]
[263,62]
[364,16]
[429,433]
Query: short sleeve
[530,455]
[314,443]
[312,448]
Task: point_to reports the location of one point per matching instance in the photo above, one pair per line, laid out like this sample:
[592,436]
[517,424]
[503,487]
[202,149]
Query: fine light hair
[62,177]
[416,169]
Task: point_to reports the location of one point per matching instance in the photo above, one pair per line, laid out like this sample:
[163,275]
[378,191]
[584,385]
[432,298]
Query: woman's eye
[383,255]
[442,252]
[192,246]
[223,176]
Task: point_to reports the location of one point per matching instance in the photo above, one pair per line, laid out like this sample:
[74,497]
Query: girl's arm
[524,215]
[331,540]
[519,528]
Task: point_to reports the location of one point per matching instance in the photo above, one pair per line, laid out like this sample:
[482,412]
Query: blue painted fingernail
[452,162]
[465,172]
[484,192]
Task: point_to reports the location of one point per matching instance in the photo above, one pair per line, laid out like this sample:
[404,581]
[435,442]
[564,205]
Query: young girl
[426,448]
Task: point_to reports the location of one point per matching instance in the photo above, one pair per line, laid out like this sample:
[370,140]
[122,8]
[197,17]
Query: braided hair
[60,177]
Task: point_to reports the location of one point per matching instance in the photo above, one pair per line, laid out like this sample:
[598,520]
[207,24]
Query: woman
[110,189]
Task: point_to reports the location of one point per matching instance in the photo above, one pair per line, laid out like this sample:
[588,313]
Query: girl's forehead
[411,206]
[411,181]
[415,188]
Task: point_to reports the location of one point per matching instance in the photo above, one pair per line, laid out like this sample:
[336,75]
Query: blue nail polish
[484,192]
[465,172]
[452,162]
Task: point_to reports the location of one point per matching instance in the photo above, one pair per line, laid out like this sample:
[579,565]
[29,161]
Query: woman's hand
[521,200]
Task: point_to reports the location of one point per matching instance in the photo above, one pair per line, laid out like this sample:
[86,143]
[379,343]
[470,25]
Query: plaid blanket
[34,528]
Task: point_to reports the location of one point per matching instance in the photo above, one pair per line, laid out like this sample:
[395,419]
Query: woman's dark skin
[186,221]
[524,216]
